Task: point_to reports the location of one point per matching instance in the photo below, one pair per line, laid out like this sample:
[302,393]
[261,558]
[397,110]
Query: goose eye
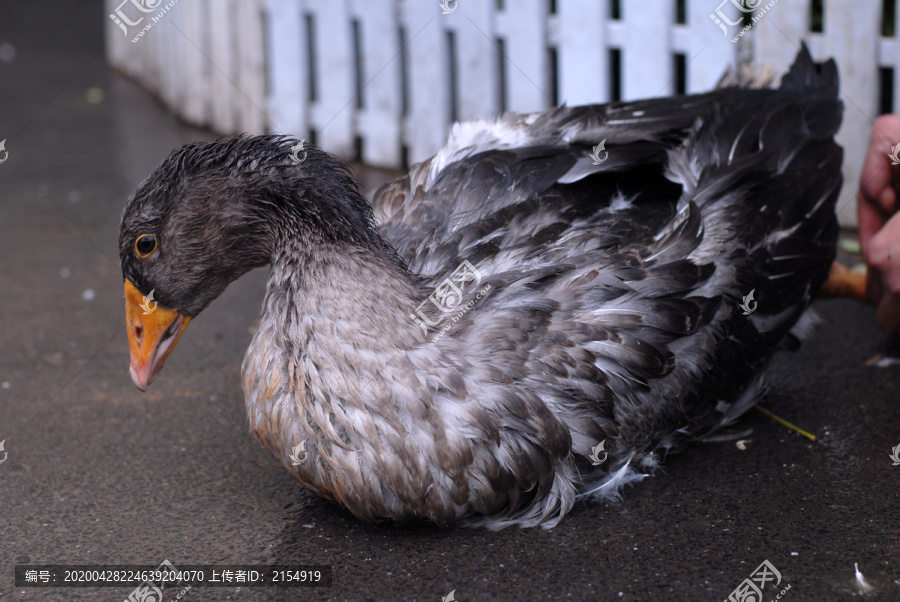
[145,244]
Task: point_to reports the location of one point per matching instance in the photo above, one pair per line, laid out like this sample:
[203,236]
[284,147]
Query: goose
[538,314]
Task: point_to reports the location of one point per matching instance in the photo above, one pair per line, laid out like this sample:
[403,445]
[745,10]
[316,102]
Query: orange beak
[153,332]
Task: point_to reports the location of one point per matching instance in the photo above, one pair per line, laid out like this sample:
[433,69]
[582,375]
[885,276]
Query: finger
[887,202]
[870,218]
[880,252]
[878,178]
[883,282]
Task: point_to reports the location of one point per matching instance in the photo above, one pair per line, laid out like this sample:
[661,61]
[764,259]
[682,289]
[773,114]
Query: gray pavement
[98,472]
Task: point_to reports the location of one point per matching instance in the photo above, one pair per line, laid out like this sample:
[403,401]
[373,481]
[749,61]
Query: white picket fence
[383,80]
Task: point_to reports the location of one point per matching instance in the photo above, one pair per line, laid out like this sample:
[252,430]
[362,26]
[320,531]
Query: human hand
[879,222]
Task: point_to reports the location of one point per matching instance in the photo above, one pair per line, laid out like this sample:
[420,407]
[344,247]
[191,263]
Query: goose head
[212,211]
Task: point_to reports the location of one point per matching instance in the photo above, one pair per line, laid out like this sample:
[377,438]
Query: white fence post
[521,24]
[195,66]
[649,35]
[708,52]
[251,66]
[379,121]
[425,127]
[583,52]
[334,108]
[223,94]
[287,63]
[477,61]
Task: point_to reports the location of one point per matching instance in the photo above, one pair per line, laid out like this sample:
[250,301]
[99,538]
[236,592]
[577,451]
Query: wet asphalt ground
[98,472]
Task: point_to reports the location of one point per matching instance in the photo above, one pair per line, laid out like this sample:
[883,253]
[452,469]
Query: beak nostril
[138,332]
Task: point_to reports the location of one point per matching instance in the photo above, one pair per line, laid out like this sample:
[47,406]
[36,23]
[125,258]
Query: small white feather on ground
[864,586]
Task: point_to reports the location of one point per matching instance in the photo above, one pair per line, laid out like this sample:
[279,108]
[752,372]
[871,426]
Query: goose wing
[615,287]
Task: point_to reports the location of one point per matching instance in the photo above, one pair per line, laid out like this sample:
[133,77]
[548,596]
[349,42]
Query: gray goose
[519,322]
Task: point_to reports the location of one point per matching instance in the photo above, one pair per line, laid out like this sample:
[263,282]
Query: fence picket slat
[251,67]
[222,62]
[649,28]
[476,64]
[286,51]
[427,123]
[193,82]
[150,62]
[527,55]
[379,119]
[332,113]
[170,44]
[583,52]
[708,50]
